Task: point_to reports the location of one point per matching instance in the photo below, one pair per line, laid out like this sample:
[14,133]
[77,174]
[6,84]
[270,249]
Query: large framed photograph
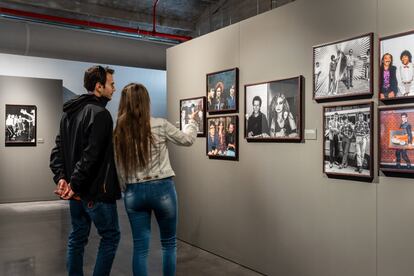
[396,149]
[396,77]
[223,91]
[273,111]
[222,137]
[347,146]
[196,106]
[20,125]
[343,69]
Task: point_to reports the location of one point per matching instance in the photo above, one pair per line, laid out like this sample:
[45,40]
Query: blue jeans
[141,199]
[105,218]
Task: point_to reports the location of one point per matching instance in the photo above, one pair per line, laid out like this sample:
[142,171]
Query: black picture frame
[228,82]
[392,48]
[335,164]
[196,104]
[289,92]
[20,125]
[393,158]
[229,151]
[330,70]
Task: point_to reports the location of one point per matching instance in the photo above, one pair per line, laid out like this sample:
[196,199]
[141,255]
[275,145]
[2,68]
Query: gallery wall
[25,170]
[274,210]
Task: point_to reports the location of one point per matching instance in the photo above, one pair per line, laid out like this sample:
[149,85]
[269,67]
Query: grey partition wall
[24,171]
[274,210]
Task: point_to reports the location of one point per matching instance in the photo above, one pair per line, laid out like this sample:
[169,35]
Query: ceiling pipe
[92,25]
[154,7]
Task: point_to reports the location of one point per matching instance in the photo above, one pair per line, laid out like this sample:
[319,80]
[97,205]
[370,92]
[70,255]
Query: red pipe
[91,24]
[153,15]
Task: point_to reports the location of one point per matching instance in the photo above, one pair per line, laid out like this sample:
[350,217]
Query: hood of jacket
[76,104]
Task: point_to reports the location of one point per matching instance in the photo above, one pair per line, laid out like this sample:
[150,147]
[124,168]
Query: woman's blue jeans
[141,199]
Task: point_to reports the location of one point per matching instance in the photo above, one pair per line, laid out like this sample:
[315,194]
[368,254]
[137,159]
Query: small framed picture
[273,111]
[343,69]
[396,74]
[396,149]
[196,106]
[347,146]
[223,91]
[20,125]
[222,137]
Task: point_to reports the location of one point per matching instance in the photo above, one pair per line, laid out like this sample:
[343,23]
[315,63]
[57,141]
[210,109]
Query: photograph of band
[343,69]
[347,140]
[222,91]
[396,150]
[273,111]
[222,137]
[195,106]
[396,66]
[20,125]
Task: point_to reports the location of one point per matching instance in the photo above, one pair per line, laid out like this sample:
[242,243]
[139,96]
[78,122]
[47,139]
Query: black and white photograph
[396,67]
[347,149]
[222,137]
[273,111]
[223,91]
[20,125]
[195,106]
[343,69]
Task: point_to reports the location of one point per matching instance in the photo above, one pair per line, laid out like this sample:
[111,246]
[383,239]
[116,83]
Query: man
[350,63]
[406,74]
[347,132]
[231,140]
[83,165]
[332,75]
[406,129]
[361,139]
[257,123]
[317,73]
[334,128]
[219,103]
[212,140]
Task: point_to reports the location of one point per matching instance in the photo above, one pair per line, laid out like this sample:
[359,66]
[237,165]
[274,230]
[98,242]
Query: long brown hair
[132,136]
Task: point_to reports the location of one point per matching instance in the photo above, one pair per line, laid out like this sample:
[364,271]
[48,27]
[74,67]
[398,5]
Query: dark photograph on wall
[20,125]
[396,75]
[396,150]
[222,137]
[273,111]
[193,107]
[223,91]
[343,69]
[347,147]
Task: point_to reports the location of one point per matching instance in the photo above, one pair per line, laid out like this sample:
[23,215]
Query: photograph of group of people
[347,140]
[222,139]
[222,91]
[20,125]
[396,67]
[195,106]
[396,139]
[343,69]
[273,110]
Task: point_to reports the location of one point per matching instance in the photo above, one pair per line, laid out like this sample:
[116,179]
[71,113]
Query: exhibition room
[276,134]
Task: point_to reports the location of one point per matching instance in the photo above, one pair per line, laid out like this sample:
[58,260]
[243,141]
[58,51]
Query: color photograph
[222,138]
[195,106]
[222,91]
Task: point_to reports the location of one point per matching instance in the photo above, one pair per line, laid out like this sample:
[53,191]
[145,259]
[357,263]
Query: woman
[140,143]
[388,77]
[221,136]
[282,122]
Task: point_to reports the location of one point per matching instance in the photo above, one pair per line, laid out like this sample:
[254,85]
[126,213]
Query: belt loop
[90,204]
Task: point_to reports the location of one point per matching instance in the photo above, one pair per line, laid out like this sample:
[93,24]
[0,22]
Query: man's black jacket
[83,154]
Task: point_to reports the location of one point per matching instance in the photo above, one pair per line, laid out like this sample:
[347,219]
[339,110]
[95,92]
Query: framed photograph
[222,137]
[20,125]
[347,146]
[273,111]
[396,149]
[197,106]
[223,91]
[343,69]
[396,75]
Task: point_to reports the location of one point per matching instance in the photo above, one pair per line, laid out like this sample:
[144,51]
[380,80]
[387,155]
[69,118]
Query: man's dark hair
[344,117]
[94,75]
[406,53]
[404,114]
[257,98]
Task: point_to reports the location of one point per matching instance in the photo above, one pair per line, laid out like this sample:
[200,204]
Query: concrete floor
[33,239]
